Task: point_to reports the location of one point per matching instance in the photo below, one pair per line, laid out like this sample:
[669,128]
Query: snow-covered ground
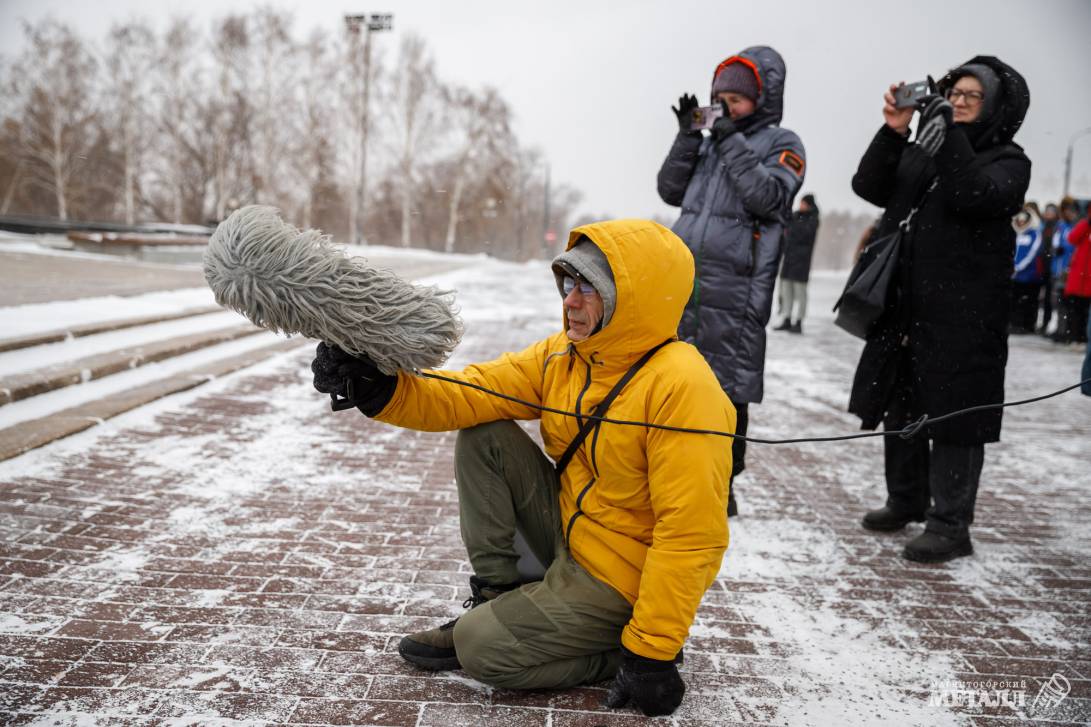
[830,611]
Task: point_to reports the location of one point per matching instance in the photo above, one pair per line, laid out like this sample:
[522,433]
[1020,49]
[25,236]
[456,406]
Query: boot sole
[431,663]
[959,552]
[890,526]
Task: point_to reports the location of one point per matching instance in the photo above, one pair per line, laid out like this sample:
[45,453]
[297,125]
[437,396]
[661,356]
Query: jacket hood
[653,273]
[999,128]
[769,68]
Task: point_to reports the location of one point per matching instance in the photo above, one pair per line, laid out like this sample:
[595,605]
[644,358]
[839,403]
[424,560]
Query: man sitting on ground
[629,521]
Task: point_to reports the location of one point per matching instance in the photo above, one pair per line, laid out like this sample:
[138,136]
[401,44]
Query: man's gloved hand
[724,126]
[355,379]
[653,685]
[937,116]
[684,111]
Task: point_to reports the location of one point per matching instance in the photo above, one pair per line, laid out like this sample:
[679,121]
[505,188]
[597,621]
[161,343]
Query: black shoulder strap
[600,410]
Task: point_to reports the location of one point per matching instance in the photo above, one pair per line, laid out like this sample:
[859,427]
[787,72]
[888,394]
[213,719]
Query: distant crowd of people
[1051,284]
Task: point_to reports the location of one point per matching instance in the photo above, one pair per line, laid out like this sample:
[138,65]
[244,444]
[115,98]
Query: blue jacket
[736,196]
[1062,251]
[1028,244]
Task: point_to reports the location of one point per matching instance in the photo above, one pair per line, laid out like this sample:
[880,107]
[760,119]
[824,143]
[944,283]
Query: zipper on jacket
[575,515]
[594,444]
[755,236]
[579,399]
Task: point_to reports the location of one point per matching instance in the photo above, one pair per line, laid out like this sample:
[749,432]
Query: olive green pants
[558,632]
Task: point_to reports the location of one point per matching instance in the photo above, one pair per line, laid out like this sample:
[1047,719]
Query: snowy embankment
[26,320]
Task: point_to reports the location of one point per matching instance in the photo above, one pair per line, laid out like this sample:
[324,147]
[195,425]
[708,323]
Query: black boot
[732,508]
[435,649]
[930,547]
[785,326]
[796,327]
[887,519]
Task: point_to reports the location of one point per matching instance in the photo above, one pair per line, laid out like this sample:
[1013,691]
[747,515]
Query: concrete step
[90,329]
[24,385]
[35,433]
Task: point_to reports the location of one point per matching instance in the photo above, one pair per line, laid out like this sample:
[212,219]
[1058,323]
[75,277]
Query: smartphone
[705,116]
[908,94]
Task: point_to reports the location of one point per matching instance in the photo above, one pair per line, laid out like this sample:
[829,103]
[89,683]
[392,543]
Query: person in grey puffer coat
[735,188]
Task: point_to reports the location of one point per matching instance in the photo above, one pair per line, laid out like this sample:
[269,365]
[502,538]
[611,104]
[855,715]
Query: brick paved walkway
[240,555]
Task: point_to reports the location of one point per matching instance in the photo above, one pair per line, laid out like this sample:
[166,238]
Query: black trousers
[935,478]
[1047,298]
[738,446]
[1079,308]
[1024,306]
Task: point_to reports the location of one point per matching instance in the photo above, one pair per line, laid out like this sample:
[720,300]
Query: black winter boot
[435,649]
[929,547]
[887,519]
[786,325]
[796,327]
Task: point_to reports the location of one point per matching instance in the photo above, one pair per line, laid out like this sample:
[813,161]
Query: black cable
[905,432]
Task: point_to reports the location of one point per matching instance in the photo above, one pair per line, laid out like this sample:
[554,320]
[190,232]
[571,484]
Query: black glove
[653,685]
[937,116]
[684,111]
[724,126]
[351,380]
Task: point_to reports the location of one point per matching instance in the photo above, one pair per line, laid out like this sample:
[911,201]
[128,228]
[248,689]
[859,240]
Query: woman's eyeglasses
[970,98]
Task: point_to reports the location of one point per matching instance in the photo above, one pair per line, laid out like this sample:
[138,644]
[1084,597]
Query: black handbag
[868,287]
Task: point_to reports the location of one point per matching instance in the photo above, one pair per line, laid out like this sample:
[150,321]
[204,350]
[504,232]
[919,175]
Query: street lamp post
[373,22]
[1068,157]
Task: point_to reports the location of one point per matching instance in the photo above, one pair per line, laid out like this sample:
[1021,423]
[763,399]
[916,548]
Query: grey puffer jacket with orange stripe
[736,196]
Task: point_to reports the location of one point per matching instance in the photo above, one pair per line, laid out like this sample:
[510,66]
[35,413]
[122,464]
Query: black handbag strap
[600,410]
[904,224]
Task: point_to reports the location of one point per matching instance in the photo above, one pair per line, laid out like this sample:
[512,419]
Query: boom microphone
[298,282]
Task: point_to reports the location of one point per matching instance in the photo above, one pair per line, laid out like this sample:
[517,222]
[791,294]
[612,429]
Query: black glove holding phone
[684,111]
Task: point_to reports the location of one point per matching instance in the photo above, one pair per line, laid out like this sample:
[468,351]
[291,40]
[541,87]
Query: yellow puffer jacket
[643,509]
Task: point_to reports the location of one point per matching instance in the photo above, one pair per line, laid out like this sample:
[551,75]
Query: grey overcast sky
[591,83]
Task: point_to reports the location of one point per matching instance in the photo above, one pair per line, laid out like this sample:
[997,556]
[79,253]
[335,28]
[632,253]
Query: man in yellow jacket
[630,523]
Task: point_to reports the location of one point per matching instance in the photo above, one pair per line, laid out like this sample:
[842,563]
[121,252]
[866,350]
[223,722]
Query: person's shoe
[1059,337]
[886,519]
[732,508]
[434,649]
[785,326]
[931,547]
[796,327]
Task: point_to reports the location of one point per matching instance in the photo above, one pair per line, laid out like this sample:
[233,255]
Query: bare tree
[53,84]
[183,125]
[275,62]
[482,123]
[130,52]
[416,99]
[181,168]
[314,123]
[227,114]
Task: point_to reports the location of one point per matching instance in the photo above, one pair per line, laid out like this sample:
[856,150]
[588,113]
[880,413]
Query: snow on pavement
[276,551]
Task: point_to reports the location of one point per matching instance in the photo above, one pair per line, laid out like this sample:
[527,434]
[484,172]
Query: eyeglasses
[568,284]
[970,98]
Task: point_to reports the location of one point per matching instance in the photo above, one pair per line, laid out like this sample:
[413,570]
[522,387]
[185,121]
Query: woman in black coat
[941,344]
